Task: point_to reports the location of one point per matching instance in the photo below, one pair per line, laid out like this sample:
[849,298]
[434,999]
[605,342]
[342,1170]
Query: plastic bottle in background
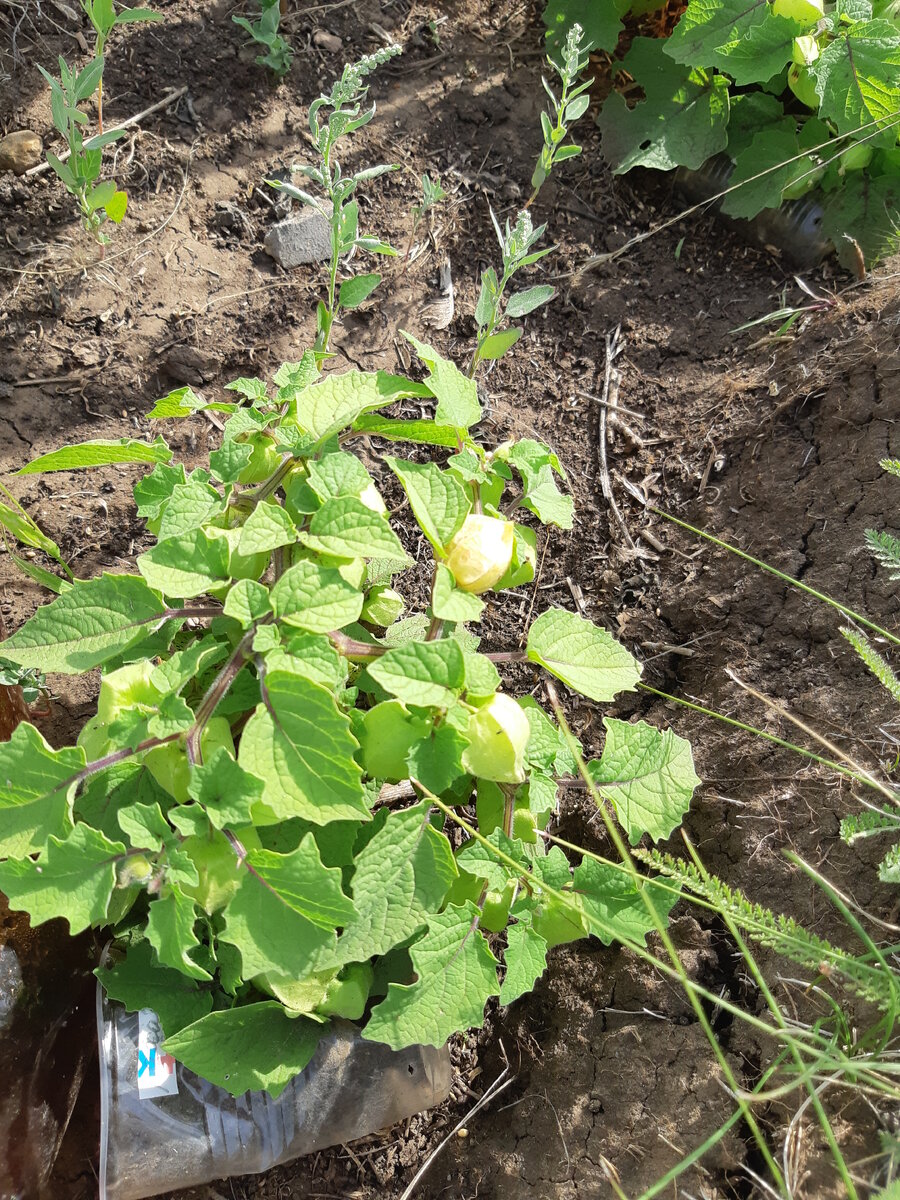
[795,228]
[162,1127]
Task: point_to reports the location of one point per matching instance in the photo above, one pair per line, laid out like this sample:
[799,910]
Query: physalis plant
[259,811]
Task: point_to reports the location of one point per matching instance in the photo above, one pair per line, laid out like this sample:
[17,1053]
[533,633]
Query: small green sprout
[104,18]
[279,52]
[337,205]
[97,201]
[517,250]
[571,105]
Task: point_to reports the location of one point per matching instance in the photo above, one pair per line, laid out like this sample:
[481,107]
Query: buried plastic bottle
[162,1127]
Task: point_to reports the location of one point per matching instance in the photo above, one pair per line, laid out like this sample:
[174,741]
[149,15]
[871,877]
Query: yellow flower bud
[481,552]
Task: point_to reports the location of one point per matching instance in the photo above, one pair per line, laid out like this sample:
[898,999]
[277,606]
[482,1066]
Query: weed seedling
[264,31]
[104,18]
[432,194]
[337,204]
[517,244]
[565,110]
[97,202]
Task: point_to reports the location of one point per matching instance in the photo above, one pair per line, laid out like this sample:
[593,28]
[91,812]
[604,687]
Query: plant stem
[355,650]
[216,691]
[502,656]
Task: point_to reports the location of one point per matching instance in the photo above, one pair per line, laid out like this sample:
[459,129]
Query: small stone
[187,364]
[302,239]
[327,41]
[20,151]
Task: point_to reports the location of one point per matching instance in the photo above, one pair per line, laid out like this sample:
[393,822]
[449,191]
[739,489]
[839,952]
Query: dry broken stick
[611,379]
[168,99]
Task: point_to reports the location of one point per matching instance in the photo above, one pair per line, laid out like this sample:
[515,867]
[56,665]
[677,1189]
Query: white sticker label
[155,1071]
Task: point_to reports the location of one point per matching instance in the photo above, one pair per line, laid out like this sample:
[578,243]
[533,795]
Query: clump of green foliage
[799,98]
[104,18]
[332,118]
[231,812]
[259,810]
[97,201]
[279,53]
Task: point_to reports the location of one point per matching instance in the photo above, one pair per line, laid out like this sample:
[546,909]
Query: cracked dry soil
[775,447]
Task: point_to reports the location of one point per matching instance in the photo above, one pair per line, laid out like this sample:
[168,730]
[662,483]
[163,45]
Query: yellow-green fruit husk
[498,733]
[803,86]
[480,553]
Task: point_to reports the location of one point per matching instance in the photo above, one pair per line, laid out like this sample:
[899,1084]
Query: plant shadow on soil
[775,447]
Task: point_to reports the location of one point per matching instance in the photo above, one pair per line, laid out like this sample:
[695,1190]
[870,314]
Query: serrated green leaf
[457,395]
[304,884]
[422,673]
[253,389]
[438,500]
[299,743]
[152,492]
[315,598]
[98,453]
[858,78]
[450,603]
[770,148]
[614,908]
[271,935]
[74,878]
[225,791]
[313,656]
[139,981]
[583,656]
[526,960]
[188,507]
[186,565]
[34,798]
[457,974]
[401,876]
[338,474]
[178,403]
[85,626]
[247,1049]
[422,432]
[522,303]
[482,677]
[709,29]
[144,826]
[184,665]
[354,291]
[543,498]
[346,528]
[267,528]
[547,748]
[762,50]
[647,776]
[247,601]
[682,120]
[327,407]
[170,931]
[436,760]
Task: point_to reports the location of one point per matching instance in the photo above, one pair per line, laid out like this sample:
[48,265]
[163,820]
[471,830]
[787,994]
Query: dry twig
[608,404]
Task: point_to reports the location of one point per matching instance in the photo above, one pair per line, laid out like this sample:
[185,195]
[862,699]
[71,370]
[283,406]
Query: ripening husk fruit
[480,553]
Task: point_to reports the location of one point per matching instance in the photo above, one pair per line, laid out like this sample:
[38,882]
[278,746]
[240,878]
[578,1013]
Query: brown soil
[773,446]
